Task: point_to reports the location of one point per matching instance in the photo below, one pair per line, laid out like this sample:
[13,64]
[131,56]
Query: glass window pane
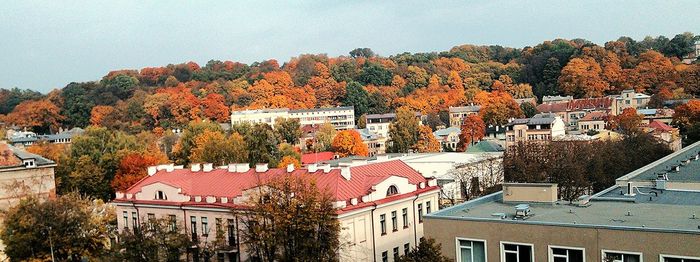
[510,247]
[511,257]
[478,251]
[575,255]
[525,254]
[559,259]
[465,243]
[465,254]
[558,251]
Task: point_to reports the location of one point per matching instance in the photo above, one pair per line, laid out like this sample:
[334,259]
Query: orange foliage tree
[426,141]
[349,142]
[215,109]
[286,160]
[628,122]
[497,107]
[687,114]
[41,116]
[583,77]
[133,167]
[98,114]
[473,129]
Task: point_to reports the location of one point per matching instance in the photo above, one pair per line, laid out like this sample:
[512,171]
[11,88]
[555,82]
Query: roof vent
[312,168]
[170,167]
[231,168]
[325,167]
[242,167]
[260,168]
[207,167]
[522,211]
[345,172]
[195,167]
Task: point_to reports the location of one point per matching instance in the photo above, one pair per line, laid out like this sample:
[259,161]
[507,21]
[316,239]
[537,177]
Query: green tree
[324,137]
[528,109]
[262,145]
[183,148]
[427,250]
[272,234]
[375,74]
[76,228]
[362,121]
[403,131]
[215,147]
[289,129]
[362,52]
[77,103]
[357,96]
[153,240]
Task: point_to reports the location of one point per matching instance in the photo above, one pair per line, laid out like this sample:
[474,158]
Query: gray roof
[464,109]
[669,212]
[446,131]
[538,119]
[688,171]
[378,116]
[24,155]
[257,111]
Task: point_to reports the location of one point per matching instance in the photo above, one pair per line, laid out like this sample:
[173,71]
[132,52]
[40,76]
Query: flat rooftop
[668,211]
[687,160]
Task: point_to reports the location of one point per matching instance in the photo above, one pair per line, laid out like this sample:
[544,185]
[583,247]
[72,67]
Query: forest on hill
[160,98]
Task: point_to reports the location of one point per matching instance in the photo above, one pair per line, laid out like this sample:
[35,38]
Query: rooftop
[260,111]
[322,109]
[456,109]
[311,158]
[680,166]
[538,119]
[485,146]
[18,156]
[446,131]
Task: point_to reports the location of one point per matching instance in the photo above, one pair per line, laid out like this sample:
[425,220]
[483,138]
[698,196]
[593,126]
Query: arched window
[392,190]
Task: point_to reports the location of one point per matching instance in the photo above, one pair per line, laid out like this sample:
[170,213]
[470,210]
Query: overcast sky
[47,44]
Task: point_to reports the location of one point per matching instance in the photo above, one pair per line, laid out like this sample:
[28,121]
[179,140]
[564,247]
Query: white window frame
[662,256]
[458,254]
[551,252]
[603,251]
[503,251]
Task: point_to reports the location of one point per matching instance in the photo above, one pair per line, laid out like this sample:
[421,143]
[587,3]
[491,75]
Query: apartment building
[458,113]
[595,121]
[23,174]
[379,123]
[573,110]
[380,205]
[629,99]
[649,215]
[448,137]
[375,143]
[341,118]
[541,127]
[27,138]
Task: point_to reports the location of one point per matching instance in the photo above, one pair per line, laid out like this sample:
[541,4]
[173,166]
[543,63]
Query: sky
[48,44]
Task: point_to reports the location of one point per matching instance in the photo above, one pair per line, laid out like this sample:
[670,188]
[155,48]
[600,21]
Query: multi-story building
[375,143]
[665,134]
[692,56]
[448,137]
[380,206]
[629,99]
[379,123]
[541,127]
[556,99]
[573,110]
[341,118]
[649,215]
[594,121]
[23,174]
[664,115]
[457,114]
[26,138]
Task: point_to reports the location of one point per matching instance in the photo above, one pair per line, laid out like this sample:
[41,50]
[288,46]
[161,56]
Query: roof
[221,183]
[600,103]
[485,146]
[647,111]
[556,98]
[378,116]
[594,116]
[604,211]
[456,109]
[446,131]
[366,135]
[260,111]
[572,137]
[21,155]
[538,119]
[688,171]
[660,126]
[316,157]
[323,109]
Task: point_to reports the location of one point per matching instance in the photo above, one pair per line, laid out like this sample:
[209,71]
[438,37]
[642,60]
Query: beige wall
[651,244]
[529,192]
[19,182]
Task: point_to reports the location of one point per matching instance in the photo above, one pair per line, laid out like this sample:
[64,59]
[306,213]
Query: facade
[341,118]
[379,123]
[380,205]
[448,137]
[649,215]
[23,174]
[457,114]
[541,127]
[665,134]
[375,143]
[629,99]
[595,121]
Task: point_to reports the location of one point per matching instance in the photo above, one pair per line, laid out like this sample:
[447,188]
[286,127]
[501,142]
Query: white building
[341,118]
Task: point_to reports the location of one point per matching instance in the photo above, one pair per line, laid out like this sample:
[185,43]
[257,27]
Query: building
[485,146]
[23,174]
[457,114]
[380,205]
[629,99]
[375,143]
[665,134]
[573,110]
[448,137]
[531,100]
[342,118]
[664,115]
[27,138]
[692,56]
[556,99]
[595,121]
[541,127]
[649,215]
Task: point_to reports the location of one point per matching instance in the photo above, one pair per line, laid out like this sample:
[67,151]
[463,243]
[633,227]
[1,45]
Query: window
[126,219]
[666,258]
[151,220]
[193,226]
[516,252]
[135,220]
[566,254]
[205,226]
[394,224]
[396,253]
[392,190]
[385,256]
[231,229]
[382,223]
[420,213]
[406,248]
[161,196]
[469,250]
[219,227]
[173,222]
[619,256]
[427,207]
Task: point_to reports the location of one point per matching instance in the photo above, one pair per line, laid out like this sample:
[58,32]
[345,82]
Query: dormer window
[29,163]
[392,191]
[160,195]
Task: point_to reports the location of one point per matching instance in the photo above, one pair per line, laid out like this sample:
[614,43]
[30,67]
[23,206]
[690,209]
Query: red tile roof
[594,116]
[221,183]
[660,126]
[316,157]
[577,104]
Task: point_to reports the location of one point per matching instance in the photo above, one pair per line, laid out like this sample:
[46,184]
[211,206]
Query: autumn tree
[324,137]
[133,167]
[529,110]
[349,143]
[262,144]
[289,129]
[473,129]
[42,116]
[403,131]
[214,108]
[271,234]
[687,114]
[628,122]
[99,114]
[582,77]
[187,142]
[69,228]
[497,107]
[426,142]
[214,147]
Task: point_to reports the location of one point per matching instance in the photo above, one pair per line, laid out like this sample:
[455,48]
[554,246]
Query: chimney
[382,158]
[170,167]
[195,167]
[312,168]
[207,167]
[152,170]
[345,172]
[261,167]
[231,168]
[242,167]
[290,168]
[326,168]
